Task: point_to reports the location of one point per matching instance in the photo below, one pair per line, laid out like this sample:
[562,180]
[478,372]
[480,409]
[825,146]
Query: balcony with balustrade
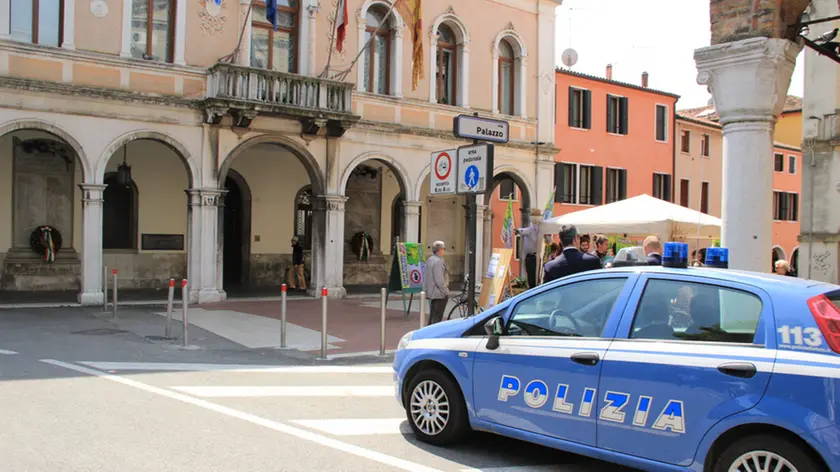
[244,93]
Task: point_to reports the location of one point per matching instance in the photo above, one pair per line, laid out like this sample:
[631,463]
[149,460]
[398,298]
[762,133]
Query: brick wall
[734,20]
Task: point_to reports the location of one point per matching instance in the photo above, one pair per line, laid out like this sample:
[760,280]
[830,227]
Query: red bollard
[283,290]
[324,323]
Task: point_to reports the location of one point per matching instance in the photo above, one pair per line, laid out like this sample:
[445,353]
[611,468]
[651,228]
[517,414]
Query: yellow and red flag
[412,13]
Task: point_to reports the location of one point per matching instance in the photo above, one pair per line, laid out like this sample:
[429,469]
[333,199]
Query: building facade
[615,140]
[191,139]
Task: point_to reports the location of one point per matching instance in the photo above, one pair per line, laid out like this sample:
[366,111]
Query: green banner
[407,268]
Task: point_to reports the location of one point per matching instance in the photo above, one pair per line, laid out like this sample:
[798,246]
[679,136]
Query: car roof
[767,281]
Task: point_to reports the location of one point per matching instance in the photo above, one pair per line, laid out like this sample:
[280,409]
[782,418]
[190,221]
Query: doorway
[236,233]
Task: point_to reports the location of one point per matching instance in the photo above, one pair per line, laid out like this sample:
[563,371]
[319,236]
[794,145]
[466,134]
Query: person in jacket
[436,282]
[572,260]
[653,249]
[296,277]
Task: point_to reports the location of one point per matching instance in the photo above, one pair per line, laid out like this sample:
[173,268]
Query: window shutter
[622,184]
[610,116]
[667,195]
[559,179]
[655,194]
[572,108]
[623,112]
[597,185]
[587,109]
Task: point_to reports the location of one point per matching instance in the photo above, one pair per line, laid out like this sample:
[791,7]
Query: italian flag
[341,21]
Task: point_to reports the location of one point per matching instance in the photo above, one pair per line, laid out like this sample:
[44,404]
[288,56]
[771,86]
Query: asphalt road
[108,403]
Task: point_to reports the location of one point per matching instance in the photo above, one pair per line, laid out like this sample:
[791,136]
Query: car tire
[434,400]
[764,447]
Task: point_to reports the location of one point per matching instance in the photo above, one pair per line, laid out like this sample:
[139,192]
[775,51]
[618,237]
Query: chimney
[645,79]
[609,71]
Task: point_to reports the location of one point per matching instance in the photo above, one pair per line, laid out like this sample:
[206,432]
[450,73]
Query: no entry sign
[443,175]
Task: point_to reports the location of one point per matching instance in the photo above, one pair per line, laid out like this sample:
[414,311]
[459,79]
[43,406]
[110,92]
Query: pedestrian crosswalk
[354,405]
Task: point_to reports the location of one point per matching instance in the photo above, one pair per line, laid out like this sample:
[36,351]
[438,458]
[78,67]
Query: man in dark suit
[653,249]
[572,261]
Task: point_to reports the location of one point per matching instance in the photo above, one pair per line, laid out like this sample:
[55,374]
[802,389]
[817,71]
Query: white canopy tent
[641,215]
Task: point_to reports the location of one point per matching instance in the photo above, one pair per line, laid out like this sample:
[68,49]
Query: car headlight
[404,340]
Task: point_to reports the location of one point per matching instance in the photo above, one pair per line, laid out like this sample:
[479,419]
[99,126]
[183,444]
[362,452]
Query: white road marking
[274,369]
[273,425]
[7,352]
[521,468]
[283,391]
[358,427]
[359,354]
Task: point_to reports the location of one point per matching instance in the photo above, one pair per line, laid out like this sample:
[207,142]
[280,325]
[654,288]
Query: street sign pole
[475,175]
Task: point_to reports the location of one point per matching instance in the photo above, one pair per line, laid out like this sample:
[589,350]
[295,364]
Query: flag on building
[507,227]
[412,13]
[549,206]
[341,21]
[271,13]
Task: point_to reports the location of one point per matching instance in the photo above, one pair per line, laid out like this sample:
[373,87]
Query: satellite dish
[569,57]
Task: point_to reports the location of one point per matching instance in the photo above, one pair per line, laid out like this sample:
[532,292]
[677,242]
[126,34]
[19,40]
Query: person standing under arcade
[530,243]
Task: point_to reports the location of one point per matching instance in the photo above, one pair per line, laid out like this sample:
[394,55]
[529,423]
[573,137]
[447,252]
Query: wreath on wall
[46,242]
[361,245]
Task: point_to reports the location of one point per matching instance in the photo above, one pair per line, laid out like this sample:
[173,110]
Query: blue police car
[659,368]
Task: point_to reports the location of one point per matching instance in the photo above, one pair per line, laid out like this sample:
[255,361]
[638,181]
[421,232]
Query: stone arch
[192,169]
[362,12]
[393,164]
[316,178]
[525,187]
[450,18]
[55,130]
[518,43]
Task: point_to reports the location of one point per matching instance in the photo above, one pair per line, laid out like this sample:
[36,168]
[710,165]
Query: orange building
[616,141]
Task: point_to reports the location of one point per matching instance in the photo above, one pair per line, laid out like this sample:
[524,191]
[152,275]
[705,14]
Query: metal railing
[230,81]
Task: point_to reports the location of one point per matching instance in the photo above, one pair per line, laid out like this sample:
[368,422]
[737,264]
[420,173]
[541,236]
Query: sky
[657,36]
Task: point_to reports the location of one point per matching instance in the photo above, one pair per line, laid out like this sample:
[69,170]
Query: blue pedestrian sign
[471,177]
[475,163]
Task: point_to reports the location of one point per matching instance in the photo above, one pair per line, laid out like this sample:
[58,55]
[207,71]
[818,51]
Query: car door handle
[586,358]
[744,370]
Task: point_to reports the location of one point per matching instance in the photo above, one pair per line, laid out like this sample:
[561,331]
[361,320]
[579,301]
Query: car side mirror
[494,329]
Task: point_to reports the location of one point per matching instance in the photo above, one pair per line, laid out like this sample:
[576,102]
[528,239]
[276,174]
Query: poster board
[495,279]
[407,272]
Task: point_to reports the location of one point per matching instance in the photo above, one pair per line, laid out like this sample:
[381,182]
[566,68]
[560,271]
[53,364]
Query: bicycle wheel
[454,308]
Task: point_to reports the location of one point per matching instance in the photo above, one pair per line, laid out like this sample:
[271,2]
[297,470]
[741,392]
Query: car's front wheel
[766,453]
[435,408]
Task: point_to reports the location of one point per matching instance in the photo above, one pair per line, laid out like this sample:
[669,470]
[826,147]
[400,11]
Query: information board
[407,272]
[496,280]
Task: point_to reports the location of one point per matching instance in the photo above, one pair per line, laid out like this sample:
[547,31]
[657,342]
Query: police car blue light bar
[717,257]
[675,255]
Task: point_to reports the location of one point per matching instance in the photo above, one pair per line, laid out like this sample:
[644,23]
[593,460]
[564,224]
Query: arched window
[447,66]
[270,48]
[119,214]
[506,78]
[377,57]
[37,21]
[153,29]
[303,216]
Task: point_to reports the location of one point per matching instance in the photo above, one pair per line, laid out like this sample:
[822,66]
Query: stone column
[243,57]
[5,18]
[748,80]
[91,293]
[209,290]
[328,241]
[194,229]
[411,222]
[180,32]
[69,34]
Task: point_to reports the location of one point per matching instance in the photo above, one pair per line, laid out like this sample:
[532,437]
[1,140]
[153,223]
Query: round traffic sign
[471,176]
[415,276]
[443,166]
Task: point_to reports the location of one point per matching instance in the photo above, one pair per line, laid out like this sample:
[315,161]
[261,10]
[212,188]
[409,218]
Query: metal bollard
[104,289]
[422,309]
[382,323]
[115,293]
[324,323]
[171,300]
[283,289]
[186,300]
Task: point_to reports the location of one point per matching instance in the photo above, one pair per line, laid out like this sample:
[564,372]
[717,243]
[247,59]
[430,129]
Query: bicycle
[461,302]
